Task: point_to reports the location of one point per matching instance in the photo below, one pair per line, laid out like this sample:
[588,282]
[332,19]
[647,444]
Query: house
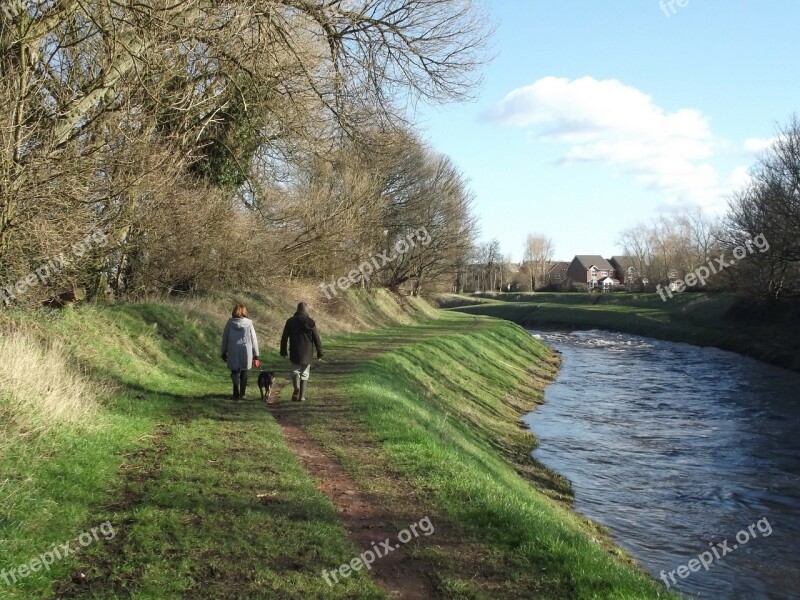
[609,283]
[625,268]
[590,269]
[513,268]
[556,273]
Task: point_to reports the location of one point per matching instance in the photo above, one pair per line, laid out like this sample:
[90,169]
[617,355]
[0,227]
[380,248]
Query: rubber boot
[296,384]
[303,384]
[235,392]
[243,377]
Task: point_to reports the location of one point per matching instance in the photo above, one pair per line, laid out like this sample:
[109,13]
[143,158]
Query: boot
[235,381]
[296,384]
[303,384]
[243,377]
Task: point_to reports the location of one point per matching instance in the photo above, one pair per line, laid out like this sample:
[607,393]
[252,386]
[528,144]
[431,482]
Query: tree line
[753,248]
[224,143]
[765,212]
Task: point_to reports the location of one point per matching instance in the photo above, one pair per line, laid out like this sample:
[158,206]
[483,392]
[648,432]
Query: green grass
[768,334]
[144,462]
[444,412]
[207,501]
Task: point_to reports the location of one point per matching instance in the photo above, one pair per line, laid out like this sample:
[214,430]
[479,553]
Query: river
[677,449]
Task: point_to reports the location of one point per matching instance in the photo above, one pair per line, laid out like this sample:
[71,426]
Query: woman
[239,348]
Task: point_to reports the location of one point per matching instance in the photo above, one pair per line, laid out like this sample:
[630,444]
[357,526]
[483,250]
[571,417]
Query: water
[674,447]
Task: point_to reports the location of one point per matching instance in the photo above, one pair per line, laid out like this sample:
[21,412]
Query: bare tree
[443,212]
[769,209]
[671,246]
[239,98]
[538,253]
[636,243]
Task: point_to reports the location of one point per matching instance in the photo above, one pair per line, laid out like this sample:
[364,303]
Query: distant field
[771,334]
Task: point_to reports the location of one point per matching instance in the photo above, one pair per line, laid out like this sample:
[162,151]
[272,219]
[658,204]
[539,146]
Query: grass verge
[440,413]
[767,333]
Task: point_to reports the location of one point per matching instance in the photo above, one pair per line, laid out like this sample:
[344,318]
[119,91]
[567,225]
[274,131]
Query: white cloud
[612,123]
[757,145]
[739,177]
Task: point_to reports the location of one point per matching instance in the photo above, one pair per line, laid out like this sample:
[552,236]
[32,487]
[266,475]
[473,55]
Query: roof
[623,262]
[557,266]
[589,260]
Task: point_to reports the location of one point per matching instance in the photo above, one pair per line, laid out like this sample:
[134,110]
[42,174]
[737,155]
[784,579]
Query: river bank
[676,448]
[767,333]
[413,418]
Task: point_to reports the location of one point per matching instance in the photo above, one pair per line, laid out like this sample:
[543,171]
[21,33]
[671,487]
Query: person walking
[240,349]
[302,336]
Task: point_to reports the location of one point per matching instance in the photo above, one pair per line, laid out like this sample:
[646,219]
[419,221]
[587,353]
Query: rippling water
[674,447]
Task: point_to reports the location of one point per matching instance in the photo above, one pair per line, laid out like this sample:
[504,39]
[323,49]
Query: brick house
[624,267]
[593,271]
[556,273]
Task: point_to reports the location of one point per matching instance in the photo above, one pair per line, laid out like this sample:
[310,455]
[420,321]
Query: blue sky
[594,116]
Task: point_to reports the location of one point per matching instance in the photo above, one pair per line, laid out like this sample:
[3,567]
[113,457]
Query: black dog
[265,381]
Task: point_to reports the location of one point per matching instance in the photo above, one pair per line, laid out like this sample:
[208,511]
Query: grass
[444,413]
[35,400]
[769,333]
[165,384]
[420,407]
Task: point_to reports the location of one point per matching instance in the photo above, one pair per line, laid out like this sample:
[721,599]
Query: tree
[209,102]
[390,195]
[442,210]
[636,243]
[769,209]
[671,246]
[538,253]
[493,257]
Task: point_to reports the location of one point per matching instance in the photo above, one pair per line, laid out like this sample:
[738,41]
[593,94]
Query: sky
[595,116]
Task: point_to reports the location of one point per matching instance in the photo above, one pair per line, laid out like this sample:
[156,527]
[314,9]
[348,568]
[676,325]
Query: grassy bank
[420,408]
[100,403]
[444,412]
[768,333]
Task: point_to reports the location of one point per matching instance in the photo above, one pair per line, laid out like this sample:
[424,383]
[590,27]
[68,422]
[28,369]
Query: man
[301,334]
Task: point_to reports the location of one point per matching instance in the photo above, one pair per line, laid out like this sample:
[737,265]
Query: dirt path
[366,519]
[187,521]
